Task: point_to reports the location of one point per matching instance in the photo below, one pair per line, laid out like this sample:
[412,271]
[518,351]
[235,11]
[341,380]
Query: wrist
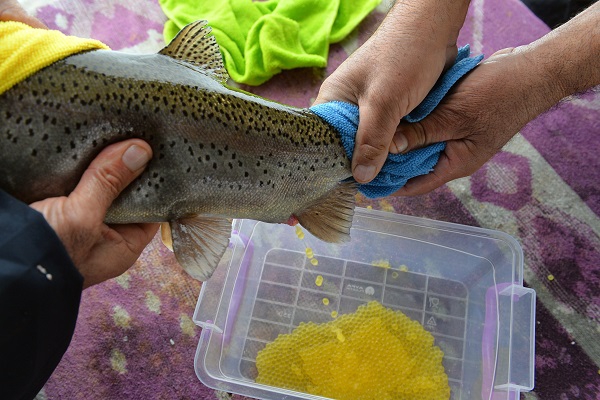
[517,88]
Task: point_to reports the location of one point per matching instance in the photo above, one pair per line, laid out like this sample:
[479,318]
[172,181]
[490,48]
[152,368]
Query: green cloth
[260,39]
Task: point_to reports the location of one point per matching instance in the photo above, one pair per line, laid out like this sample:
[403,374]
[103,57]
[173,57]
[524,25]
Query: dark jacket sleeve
[40,290]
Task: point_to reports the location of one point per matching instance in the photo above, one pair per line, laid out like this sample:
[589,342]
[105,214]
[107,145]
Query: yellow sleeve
[25,50]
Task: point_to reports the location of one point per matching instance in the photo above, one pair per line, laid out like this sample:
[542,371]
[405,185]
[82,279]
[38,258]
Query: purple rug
[135,338]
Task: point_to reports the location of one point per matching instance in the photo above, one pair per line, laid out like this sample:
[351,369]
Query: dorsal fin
[330,217]
[195,45]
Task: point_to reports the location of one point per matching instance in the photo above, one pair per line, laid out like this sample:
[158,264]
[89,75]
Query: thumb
[373,140]
[110,173]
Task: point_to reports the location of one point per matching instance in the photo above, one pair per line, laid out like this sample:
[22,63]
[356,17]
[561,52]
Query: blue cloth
[398,168]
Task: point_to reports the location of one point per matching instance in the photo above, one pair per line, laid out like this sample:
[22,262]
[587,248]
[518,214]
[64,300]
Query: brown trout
[219,153]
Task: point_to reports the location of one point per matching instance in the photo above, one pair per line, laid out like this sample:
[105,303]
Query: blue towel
[398,168]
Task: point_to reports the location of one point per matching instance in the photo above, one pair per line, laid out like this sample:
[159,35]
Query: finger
[121,247]
[430,130]
[375,133]
[335,88]
[503,52]
[136,236]
[11,10]
[112,170]
[324,97]
[451,53]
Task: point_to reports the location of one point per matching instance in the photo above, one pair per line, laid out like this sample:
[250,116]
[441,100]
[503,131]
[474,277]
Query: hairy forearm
[436,20]
[568,58]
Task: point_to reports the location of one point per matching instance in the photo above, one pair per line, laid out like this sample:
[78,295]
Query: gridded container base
[290,292]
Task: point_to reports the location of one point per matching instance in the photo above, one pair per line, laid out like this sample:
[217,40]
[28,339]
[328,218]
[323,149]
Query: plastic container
[464,284]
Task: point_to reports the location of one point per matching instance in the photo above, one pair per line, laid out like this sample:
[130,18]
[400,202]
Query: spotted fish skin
[218,152]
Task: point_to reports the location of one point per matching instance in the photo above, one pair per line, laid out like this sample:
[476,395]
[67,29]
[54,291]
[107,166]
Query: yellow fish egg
[319,280]
[381,263]
[394,275]
[334,314]
[309,252]
[403,268]
[339,335]
[314,261]
[374,353]
[325,301]
[296,370]
[550,277]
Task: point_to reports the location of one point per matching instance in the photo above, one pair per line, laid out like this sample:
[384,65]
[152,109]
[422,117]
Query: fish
[219,153]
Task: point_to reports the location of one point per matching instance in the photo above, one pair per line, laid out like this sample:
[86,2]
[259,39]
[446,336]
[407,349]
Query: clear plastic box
[463,284]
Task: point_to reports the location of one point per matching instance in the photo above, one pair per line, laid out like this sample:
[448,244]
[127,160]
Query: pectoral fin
[199,243]
[330,217]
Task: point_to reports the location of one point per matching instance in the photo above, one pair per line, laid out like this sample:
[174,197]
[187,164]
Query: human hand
[99,251]
[493,102]
[479,116]
[392,73]
[11,10]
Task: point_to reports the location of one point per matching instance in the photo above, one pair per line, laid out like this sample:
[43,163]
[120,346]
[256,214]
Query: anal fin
[330,217]
[199,243]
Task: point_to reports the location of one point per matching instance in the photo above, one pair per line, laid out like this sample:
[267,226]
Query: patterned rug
[135,338]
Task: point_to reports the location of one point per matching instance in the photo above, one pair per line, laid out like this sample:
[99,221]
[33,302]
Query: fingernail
[400,143]
[135,158]
[364,173]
